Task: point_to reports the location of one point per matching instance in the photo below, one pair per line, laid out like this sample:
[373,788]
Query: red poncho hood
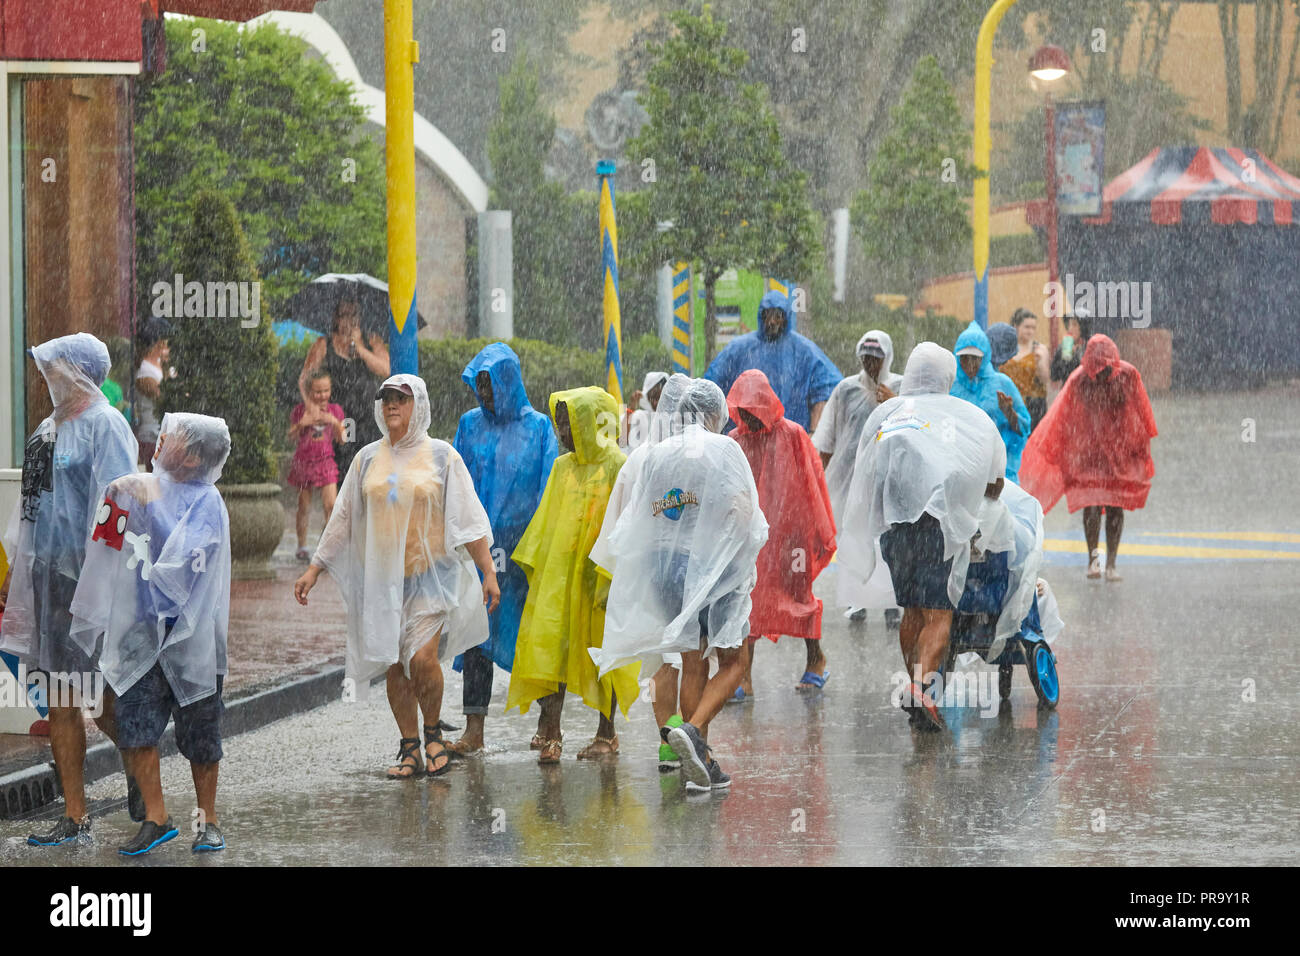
[792,493]
[1094,444]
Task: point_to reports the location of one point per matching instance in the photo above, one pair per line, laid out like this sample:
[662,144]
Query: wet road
[1175,743]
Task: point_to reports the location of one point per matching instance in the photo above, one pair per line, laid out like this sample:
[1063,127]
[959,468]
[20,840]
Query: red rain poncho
[1094,444]
[792,493]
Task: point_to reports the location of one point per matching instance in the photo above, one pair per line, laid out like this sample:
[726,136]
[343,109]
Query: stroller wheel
[1004,681]
[1041,664]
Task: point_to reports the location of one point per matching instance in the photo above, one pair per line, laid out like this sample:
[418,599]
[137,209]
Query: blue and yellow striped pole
[401,53]
[683,340]
[609,270]
[983,142]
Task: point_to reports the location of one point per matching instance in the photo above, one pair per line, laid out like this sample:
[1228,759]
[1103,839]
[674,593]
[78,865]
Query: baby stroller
[975,622]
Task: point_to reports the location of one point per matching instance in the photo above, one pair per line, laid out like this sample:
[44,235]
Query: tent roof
[1196,185]
[238,10]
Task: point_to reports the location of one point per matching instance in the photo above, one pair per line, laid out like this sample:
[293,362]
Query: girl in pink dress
[316,425]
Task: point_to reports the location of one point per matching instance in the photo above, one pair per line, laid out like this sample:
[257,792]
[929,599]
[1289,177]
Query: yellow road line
[1280,537]
[1171,550]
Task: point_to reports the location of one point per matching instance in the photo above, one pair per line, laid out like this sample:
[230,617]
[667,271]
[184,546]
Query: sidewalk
[283,659]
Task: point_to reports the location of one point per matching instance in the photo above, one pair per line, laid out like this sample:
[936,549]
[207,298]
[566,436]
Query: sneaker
[134,800]
[150,836]
[893,618]
[690,746]
[209,841]
[668,759]
[67,830]
[718,780]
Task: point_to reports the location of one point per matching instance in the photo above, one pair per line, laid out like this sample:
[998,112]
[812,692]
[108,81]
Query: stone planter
[256,527]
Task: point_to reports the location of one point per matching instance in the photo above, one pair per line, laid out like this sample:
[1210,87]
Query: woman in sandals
[405,536]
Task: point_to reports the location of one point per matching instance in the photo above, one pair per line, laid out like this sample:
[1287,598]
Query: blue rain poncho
[156,585]
[68,461]
[509,452]
[798,371]
[983,391]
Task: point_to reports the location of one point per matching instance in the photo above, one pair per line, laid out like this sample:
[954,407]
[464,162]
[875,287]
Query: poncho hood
[185,434]
[593,420]
[647,386]
[931,369]
[1100,353]
[887,346]
[421,415]
[772,299]
[983,390]
[752,393]
[509,398]
[974,335]
[1002,339]
[73,366]
[694,402]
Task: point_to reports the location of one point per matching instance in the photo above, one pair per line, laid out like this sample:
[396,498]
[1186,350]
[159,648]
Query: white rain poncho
[156,585]
[638,423]
[68,461]
[846,411]
[1024,557]
[688,539]
[923,451]
[395,544]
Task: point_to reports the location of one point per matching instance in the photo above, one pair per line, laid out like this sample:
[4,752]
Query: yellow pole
[612,325]
[983,108]
[401,53]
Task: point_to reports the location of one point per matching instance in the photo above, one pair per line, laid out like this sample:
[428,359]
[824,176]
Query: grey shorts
[143,711]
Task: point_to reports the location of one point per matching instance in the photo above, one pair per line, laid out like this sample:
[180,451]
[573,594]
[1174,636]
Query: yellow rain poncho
[561,620]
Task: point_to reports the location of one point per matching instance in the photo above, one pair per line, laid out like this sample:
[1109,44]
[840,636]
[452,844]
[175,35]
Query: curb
[31,788]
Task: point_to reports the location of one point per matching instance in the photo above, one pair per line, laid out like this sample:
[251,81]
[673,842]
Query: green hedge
[547,368]
[838,329]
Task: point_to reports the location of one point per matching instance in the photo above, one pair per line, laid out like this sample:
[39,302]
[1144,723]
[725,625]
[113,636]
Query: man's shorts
[671,584]
[914,553]
[143,711]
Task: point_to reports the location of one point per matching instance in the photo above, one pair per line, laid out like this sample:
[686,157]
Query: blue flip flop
[814,680]
[739,696]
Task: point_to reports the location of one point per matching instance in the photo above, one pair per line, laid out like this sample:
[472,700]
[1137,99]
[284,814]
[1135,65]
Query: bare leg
[1091,526]
[68,742]
[909,629]
[548,719]
[1114,528]
[747,672]
[205,789]
[816,659]
[731,665]
[300,519]
[401,698]
[665,691]
[695,675]
[107,720]
[327,495]
[426,676]
[142,763]
[932,644]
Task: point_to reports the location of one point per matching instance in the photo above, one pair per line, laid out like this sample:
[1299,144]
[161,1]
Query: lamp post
[981,142]
[1048,64]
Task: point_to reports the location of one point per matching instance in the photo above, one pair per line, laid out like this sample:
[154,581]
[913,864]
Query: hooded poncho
[395,544]
[1023,542]
[983,391]
[638,423]
[509,452]
[688,539]
[69,460]
[1003,342]
[922,452]
[1094,443]
[562,619]
[848,409]
[160,556]
[797,370]
[793,496]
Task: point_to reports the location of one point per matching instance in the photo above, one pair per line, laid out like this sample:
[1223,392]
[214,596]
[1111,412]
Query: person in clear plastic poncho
[69,459]
[153,606]
[563,616]
[682,562]
[647,401]
[402,544]
[838,431]
[926,462]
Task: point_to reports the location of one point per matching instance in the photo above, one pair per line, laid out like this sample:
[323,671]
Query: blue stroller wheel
[1041,664]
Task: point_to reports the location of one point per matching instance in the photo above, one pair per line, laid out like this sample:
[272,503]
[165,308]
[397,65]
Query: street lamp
[1047,65]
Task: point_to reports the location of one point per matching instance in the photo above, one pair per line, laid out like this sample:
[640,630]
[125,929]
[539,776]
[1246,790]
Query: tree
[913,216]
[721,177]
[223,368]
[1258,124]
[247,113]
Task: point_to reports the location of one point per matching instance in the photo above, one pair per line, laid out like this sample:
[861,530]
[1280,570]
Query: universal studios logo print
[672,503]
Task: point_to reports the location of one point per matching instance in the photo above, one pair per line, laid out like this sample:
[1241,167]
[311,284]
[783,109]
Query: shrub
[224,369]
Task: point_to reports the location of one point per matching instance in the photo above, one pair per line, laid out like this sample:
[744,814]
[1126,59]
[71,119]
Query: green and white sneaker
[668,759]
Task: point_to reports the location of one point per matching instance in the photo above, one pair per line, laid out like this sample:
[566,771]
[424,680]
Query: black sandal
[433,735]
[409,749]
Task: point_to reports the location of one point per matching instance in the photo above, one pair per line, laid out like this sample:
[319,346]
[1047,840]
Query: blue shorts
[143,711]
[672,585]
[914,553]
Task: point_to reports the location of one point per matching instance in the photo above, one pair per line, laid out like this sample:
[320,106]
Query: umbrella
[313,305]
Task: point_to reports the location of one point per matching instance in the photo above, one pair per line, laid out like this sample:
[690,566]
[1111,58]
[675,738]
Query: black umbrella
[314,304]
